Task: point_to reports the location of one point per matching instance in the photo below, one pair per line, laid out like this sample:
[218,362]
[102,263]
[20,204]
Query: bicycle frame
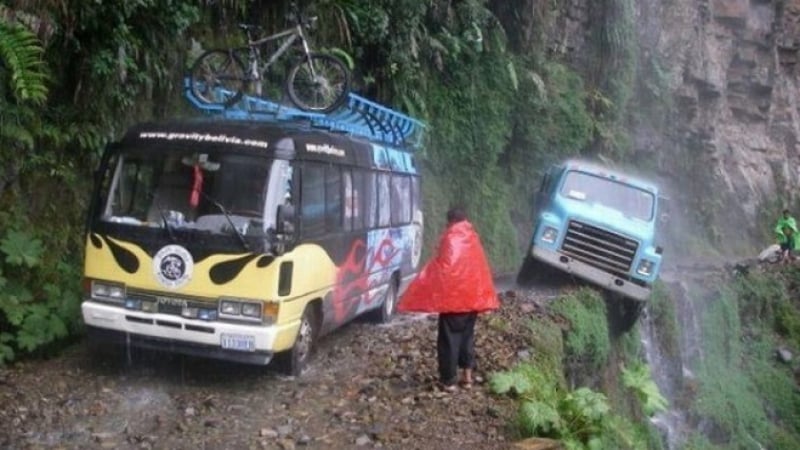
[292,34]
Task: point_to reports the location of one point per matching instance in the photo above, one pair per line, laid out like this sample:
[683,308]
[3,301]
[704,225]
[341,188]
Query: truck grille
[600,248]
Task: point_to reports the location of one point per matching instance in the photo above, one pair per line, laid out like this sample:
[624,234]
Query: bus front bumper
[245,343]
[592,274]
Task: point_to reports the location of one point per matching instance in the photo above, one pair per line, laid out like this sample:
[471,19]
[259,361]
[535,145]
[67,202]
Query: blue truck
[599,225]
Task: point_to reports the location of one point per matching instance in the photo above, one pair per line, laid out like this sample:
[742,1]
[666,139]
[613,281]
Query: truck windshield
[629,200]
[206,191]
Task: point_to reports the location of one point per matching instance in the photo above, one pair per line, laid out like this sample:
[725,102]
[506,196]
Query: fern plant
[579,418]
[21,63]
[639,380]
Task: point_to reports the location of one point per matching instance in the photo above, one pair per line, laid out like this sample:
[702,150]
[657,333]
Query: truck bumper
[592,274]
[166,332]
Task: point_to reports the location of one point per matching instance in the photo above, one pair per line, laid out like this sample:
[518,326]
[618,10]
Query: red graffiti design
[352,276]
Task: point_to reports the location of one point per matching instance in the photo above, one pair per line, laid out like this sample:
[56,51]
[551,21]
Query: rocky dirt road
[369,386]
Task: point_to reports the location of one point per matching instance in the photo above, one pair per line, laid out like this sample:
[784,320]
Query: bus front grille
[608,251]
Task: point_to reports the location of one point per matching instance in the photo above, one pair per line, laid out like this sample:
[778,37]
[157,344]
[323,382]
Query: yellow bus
[247,240]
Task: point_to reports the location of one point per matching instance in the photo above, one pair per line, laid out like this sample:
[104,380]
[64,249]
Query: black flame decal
[264,261]
[226,271]
[125,258]
[96,241]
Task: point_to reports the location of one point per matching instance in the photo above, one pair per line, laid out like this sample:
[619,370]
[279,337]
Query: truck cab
[599,225]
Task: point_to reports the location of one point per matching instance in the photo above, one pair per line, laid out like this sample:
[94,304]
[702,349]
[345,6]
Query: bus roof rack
[357,116]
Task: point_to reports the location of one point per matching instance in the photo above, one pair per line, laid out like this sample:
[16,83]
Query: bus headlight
[230,308]
[645,268]
[251,310]
[240,309]
[549,235]
[109,292]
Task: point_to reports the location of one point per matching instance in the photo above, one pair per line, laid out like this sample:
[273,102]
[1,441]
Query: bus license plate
[240,342]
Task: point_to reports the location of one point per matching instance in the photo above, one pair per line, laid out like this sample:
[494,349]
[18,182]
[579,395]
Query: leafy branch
[639,380]
[21,55]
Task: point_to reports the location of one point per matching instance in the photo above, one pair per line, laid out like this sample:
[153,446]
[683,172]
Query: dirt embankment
[369,386]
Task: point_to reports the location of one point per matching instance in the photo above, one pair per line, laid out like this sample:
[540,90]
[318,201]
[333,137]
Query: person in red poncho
[457,284]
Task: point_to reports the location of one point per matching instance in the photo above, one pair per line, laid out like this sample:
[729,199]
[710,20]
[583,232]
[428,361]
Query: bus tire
[294,361]
[387,309]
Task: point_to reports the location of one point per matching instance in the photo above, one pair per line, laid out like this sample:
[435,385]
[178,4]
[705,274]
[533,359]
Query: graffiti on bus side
[369,265]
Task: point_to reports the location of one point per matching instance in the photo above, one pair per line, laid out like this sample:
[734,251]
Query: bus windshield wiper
[228,217]
[163,215]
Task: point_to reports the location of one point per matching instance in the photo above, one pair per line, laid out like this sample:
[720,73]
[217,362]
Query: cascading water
[671,367]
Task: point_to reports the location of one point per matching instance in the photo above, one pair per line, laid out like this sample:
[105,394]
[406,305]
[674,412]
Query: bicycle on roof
[316,82]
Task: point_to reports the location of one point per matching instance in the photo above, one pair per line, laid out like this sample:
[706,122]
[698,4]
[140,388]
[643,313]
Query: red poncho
[457,280]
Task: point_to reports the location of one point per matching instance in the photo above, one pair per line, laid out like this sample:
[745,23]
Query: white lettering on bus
[201,137]
[326,149]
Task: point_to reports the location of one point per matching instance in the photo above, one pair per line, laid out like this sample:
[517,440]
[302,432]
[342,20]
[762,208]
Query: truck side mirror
[659,250]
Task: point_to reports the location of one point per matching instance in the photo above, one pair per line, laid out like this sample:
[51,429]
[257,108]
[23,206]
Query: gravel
[368,386]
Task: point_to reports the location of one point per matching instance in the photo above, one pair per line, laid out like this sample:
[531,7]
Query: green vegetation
[37,308]
[119,64]
[639,380]
[587,342]
[614,69]
[746,392]
[582,418]
[661,309]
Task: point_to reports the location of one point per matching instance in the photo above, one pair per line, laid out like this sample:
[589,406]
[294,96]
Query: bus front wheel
[293,362]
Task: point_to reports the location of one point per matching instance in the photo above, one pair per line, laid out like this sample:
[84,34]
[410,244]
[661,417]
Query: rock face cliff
[728,144]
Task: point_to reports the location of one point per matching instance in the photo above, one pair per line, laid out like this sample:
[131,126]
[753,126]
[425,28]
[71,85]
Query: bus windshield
[629,200]
[206,191]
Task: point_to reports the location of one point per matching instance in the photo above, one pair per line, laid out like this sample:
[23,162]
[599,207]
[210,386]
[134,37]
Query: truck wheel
[293,362]
[527,273]
[627,312]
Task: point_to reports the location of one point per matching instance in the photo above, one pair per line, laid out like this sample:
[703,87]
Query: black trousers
[455,345]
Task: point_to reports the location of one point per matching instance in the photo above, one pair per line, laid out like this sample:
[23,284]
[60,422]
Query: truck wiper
[228,217]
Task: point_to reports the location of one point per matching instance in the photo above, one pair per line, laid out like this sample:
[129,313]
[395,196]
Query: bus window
[333,199]
[415,195]
[401,200]
[347,184]
[384,201]
[371,200]
[359,179]
[134,181]
[312,196]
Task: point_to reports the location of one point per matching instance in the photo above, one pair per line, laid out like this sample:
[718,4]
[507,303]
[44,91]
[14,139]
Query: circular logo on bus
[173,266]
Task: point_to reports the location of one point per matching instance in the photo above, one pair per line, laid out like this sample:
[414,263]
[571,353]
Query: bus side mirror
[281,235]
[284,220]
[659,250]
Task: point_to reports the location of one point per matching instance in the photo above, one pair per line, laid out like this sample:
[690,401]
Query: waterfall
[672,369]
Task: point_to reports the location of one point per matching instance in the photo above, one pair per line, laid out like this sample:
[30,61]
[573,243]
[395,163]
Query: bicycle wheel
[217,78]
[318,83]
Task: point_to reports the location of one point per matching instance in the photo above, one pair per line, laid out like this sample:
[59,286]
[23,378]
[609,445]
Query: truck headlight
[645,267]
[549,235]
[110,292]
